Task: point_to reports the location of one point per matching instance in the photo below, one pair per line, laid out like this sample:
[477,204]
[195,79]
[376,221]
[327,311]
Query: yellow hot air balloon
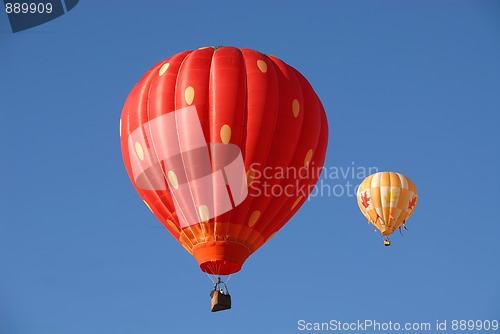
[387,199]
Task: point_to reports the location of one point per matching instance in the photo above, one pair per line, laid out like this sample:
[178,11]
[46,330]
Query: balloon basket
[220,300]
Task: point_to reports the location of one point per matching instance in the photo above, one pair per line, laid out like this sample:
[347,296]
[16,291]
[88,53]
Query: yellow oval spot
[253,218]
[139,151]
[189,95]
[147,205]
[173,226]
[308,157]
[296,202]
[120,127]
[225,133]
[205,47]
[262,66]
[204,213]
[250,176]
[295,108]
[173,179]
[163,69]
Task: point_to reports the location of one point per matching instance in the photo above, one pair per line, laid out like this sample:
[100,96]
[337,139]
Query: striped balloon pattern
[387,200]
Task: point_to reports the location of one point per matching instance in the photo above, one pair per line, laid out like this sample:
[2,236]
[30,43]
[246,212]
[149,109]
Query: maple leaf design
[391,196]
[365,199]
[412,203]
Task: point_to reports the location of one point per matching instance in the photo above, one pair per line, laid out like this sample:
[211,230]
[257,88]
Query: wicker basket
[220,300]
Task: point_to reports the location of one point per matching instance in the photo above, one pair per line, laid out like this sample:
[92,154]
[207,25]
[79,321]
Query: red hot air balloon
[223,145]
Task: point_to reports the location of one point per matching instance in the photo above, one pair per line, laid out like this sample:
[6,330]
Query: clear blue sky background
[409,86]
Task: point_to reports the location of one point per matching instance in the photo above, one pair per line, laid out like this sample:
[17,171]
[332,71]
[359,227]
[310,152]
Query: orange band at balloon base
[388,231]
[220,258]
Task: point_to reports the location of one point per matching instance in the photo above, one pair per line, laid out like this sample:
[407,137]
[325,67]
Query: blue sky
[408,86]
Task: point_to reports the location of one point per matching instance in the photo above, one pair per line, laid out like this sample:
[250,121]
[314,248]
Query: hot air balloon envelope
[199,134]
